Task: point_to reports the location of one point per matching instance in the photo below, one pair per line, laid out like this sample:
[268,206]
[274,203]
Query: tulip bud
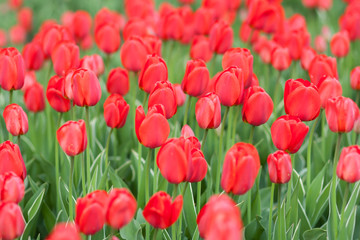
[196,78]
[12,69]
[115,111]
[288,133]
[280,58]
[86,88]
[307,55]
[90,212]
[64,231]
[153,129]
[65,56]
[164,93]
[340,44]
[11,159]
[221,37]
[180,95]
[16,120]
[72,137]
[280,168]
[320,44]
[17,34]
[204,18]
[33,55]
[264,48]
[53,35]
[3,40]
[328,87]
[322,65]
[187,132]
[12,222]
[107,38]
[133,53]
[208,111]
[25,18]
[94,63]
[11,187]
[355,78]
[154,70]
[200,49]
[34,98]
[161,212]
[171,25]
[81,23]
[348,168]
[118,81]
[55,94]
[14,4]
[246,32]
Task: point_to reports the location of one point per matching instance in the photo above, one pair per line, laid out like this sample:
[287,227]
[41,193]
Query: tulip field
[180,119]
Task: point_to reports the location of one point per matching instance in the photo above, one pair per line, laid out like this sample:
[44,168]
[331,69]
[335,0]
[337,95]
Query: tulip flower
[64,231]
[340,44]
[280,58]
[72,137]
[12,69]
[17,34]
[33,55]
[133,53]
[65,56]
[3,39]
[240,169]
[322,65]
[118,81]
[115,111]
[121,208]
[53,35]
[90,212]
[55,94]
[81,23]
[307,55]
[200,49]
[221,37]
[107,38]
[180,95]
[12,187]
[154,70]
[208,111]
[348,168]
[25,18]
[204,18]
[11,159]
[86,88]
[94,63]
[15,4]
[187,132]
[246,32]
[280,168]
[16,120]
[196,78]
[136,27]
[171,25]
[153,129]
[288,133]
[320,44]
[161,212]
[12,222]
[164,93]
[328,87]
[220,218]
[355,78]
[34,98]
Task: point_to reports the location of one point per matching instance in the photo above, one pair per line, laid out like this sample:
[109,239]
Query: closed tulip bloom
[152,129]
[220,218]
[69,83]
[135,26]
[133,53]
[307,55]
[341,113]
[86,88]
[301,99]
[118,81]
[34,98]
[17,34]
[115,111]
[340,44]
[164,93]
[153,44]
[94,63]
[12,187]
[11,159]
[87,42]
[25,18]
[280,168]
[16,120]
[161,212]
[64,231]
[355,78]
[72,137]
[184,155]
[33,55]
[12,222]
[106,16]
[348,168]
[288,133]
[229,86]
[208,111]
[81,24]
[3,39]
[255,98]
[200,49]
[329,87]
[204,18]
[246,32]
[196,78]
[90,212]
[221,37]
[107,38]
[322,65]
[179,94]
[55,94]
[121,208]
[280,58]
[187,132]
[153,70]
[30,79]
[241,58]
[53,35]
[171,25]
[12,69]
[65,56]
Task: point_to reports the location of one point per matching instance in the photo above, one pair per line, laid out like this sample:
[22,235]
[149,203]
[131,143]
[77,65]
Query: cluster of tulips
[224,183]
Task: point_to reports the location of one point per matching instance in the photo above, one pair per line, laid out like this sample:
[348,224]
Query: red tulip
[320,44]
[133,53]
[107,17]
[240,169]
[12,69]
[11,159]
[81,24]
[204,18]
[321,4]
[33,55]
[25,18]
[153,129]
[329,87]
[90,212]
[153,44]
[65,56]
[298,39]
[200,49]
[72,137]
[30,79]
[17,34]
[86,88]
[69,83]
[184,156]
[16,120]
[180,95]
[94,63]
[246,32]
[118,81]
[171,25]
[340,44]
[115,111]
[196,78]
[55,94]
[348,168]
[307,55]
[208,111]
[301,99]
[161,212]
[152,71]
[355,78]
[53,35]
[221,37]
[187,132]
[322,65]
[136,27]
[264,48]
[255,98]
[220,218]
[280,168]
[64,231]
[14,4]
[12,187]
[86,43]
[229,86]
[341,113]
[288,133]
[121,208]
[34,98]
[280,58]
[3,40]
[107,38]
[164,93]
[349,20]
[12,222]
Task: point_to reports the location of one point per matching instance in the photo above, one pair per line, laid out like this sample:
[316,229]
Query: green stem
[139,168]
[186,110]
[308,160]
[145,99]
[198,189]
[72,109]
[276,93]
[323,122]
[71,207]
[83,180]
[147,183]
[155,233]
[107,155]
[18,140]
[234,126]
[251,137]
[181,213]
[88,146]
[271,210]
[11,96]
[249,206]
[228,136]
[356,139]
[345,199]
[279,206]
[155,177]
[57,164]
[220,159]
[288,194]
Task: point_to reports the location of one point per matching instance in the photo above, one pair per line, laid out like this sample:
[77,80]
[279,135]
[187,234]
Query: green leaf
[116,180]
[189,210]
[321,204]
[280,223]
[132,231]
[315,234]
[254,230]
[305,223]
[296,233]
